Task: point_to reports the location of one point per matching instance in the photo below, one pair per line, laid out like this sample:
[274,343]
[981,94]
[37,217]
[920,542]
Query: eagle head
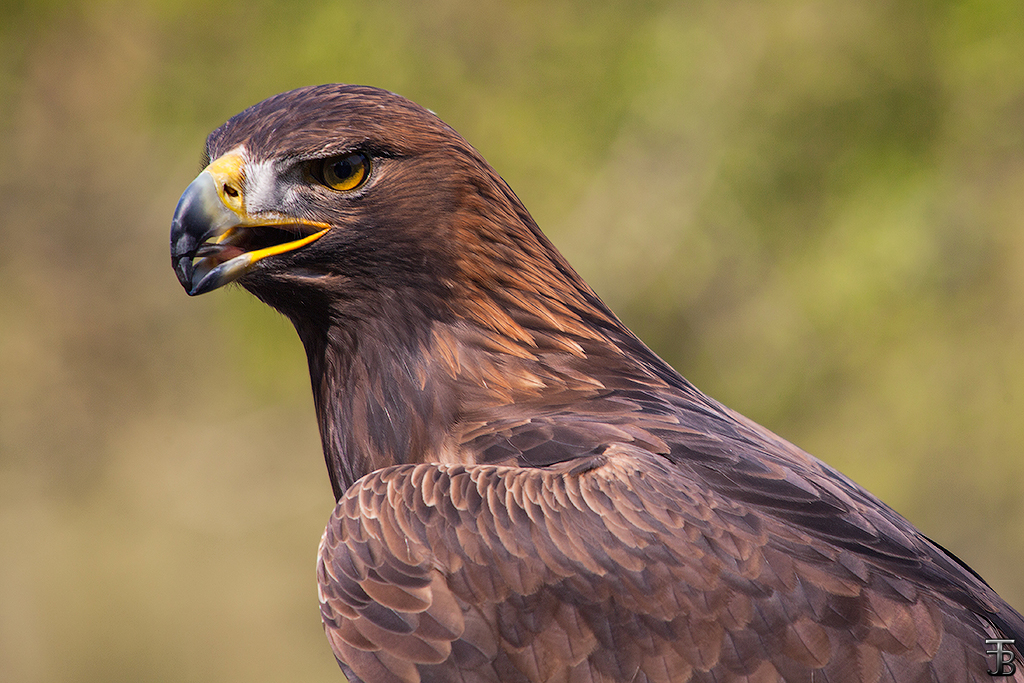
[350,197]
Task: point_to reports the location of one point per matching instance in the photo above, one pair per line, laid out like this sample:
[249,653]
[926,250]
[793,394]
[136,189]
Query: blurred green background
[815,210]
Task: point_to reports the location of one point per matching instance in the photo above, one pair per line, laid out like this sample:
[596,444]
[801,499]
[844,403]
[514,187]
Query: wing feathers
[616,569]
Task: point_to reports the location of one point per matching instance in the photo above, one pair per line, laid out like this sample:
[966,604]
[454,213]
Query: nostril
[230,191]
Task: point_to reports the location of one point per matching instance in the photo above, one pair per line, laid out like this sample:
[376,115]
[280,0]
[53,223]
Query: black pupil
[344,168]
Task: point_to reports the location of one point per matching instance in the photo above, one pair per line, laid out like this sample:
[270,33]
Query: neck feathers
[401,387]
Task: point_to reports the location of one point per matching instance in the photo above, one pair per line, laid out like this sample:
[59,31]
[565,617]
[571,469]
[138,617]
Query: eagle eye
[343,173]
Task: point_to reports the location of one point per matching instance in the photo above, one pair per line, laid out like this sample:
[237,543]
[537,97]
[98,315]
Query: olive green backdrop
[815,210]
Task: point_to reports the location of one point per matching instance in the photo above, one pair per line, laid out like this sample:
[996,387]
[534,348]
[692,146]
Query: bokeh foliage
[813,209]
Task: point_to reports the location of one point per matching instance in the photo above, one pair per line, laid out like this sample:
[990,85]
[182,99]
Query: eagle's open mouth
[248,239]
[215,263]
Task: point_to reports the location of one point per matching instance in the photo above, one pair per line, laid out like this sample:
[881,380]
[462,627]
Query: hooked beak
[215,241]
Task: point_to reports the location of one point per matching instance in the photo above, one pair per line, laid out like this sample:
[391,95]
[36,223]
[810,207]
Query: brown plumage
[525,491]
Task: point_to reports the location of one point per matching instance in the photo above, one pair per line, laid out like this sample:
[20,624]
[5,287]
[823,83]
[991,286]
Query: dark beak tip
[185,271]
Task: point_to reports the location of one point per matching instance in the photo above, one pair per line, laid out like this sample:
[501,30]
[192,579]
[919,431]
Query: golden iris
[343,173]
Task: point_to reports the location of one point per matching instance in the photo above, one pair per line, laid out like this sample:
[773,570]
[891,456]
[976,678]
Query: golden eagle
[525,492]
